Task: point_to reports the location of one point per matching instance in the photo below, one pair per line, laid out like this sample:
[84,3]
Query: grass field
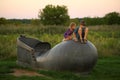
[105,38]
[107,68]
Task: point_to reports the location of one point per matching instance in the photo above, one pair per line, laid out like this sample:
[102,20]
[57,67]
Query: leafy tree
[94,21]
[54,15]
[112,18]
[3,21]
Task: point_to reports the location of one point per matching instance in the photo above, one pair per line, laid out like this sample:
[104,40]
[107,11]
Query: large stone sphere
[71,56]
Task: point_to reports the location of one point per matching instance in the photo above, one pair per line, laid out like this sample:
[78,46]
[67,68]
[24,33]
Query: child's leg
[86,33]
[80,34]
[68,38]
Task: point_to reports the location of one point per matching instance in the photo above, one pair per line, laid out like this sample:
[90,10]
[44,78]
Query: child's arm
[86,33]
[80,33]
[74,36]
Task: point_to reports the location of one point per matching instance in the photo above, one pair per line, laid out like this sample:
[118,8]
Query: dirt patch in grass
[22,72]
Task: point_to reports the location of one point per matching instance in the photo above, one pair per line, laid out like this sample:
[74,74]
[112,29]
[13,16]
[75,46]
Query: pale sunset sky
[21,9]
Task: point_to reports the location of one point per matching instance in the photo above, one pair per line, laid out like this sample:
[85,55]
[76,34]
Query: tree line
[109,19]
[58,15]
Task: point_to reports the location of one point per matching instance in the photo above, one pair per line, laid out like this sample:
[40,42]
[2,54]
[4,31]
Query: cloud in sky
[76,8]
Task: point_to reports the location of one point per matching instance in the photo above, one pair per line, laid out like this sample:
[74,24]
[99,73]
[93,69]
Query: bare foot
[81,41]
[85,41]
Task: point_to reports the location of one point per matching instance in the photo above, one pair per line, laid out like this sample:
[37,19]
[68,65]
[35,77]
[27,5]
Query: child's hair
[82,22]
[72,24]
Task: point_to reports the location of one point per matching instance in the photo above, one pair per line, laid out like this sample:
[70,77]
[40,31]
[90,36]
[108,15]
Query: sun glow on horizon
[76,8]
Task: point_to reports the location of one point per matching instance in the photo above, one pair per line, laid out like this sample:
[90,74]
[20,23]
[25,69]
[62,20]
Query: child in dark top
[80,33]
[69,32]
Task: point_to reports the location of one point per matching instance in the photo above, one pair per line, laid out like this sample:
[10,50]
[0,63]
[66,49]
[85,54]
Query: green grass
[107,68]
[105,38]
